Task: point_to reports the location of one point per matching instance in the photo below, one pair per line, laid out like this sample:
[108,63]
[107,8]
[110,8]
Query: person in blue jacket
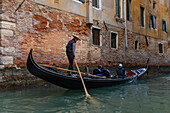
[120,71]
[101,71]
[70,51]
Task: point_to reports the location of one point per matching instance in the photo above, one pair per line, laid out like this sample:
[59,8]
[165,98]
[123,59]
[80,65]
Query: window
[154,5]
[142,16]
[96,3]
[114,38]
[96,36]
[136,45]
[160,48]
[118,8]
[164,26]
[129,10]
[152,21]
[83,1]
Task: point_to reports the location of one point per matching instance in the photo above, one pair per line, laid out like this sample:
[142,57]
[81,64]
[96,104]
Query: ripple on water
[142,96]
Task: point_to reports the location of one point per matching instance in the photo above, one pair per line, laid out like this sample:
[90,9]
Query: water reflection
[142,96]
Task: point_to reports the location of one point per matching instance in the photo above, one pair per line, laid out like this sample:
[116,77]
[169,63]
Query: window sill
[96,45]
[161,54]
[142,27]
[164,32]
[96,8]
[78,1]
[154,29]
[114,48]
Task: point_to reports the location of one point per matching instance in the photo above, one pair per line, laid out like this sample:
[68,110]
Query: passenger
[98,70]
[120,71]
[101,71]
[106,73]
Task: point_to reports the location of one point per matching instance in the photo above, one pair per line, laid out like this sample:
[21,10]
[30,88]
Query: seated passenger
[120,71]
[101,71]
[98,70]
[106,73]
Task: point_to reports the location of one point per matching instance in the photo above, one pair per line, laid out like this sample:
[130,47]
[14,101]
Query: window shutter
[117,8]
[83,1]
[150,20]
[162,25]
[166,27]
[97,3]
[153,22]
[93,2]
[128,10]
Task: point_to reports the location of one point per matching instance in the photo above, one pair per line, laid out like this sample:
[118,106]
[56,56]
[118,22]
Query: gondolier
[70,51]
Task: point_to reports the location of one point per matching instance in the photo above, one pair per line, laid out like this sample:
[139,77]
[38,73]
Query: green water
[151,94]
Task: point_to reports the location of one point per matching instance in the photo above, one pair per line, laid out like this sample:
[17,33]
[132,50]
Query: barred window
[96,36]
[160,48]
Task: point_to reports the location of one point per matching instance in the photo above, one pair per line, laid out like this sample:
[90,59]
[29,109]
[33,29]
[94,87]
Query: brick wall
[47,30]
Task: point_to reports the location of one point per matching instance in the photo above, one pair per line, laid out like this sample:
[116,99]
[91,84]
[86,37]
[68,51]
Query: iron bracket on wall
[20,5]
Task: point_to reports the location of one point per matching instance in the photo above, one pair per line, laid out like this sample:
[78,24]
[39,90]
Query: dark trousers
[70,57]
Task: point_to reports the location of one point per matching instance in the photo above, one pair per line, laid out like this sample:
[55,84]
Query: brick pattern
[47,30]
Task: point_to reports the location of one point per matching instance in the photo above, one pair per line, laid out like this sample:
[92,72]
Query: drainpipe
[125,46]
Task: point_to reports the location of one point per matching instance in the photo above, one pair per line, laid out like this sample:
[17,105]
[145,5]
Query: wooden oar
[59,68]
[87,94]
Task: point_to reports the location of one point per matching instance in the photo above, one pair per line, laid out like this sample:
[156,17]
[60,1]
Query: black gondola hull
[71,82]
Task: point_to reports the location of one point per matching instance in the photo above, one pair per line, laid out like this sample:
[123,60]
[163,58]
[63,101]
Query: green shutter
[150,20]
[97,3]
[118,8]
[129,10]
[153,22]
[93,2]
[166,27]
[83,1]
[162,25]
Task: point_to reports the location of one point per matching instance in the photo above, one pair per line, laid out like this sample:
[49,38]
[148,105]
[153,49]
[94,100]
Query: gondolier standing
[70,51]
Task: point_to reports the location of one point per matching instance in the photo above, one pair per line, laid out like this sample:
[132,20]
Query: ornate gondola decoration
[74,82]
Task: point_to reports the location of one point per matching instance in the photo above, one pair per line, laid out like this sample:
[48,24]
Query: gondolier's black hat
[75,36]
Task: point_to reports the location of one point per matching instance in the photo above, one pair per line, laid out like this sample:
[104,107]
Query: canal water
[151,94]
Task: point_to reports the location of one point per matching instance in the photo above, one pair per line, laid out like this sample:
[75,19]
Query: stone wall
[14,78]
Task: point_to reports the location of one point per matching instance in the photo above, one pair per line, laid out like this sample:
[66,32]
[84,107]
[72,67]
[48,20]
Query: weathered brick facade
[47,26]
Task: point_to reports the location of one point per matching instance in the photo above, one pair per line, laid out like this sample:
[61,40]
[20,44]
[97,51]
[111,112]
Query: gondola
[74,82]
